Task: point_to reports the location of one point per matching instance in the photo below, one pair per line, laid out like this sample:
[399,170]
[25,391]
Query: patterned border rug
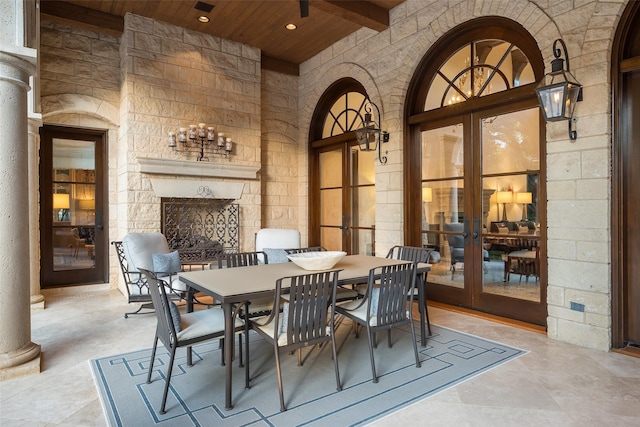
[196,395]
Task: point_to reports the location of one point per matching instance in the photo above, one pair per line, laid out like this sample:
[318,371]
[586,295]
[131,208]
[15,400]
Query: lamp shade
[60,201]
[427,194]
[505,197]
[524,197]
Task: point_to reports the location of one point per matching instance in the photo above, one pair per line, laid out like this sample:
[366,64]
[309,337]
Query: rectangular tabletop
[230,285]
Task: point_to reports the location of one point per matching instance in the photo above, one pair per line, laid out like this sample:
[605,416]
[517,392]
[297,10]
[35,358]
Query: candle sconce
[202,140]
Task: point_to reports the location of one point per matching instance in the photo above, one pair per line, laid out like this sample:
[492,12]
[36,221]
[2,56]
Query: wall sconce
[201,140]
[504,197]
[370,136]
[559,91]
[525,199]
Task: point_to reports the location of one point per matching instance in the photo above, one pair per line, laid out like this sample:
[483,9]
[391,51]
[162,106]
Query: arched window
[346,114]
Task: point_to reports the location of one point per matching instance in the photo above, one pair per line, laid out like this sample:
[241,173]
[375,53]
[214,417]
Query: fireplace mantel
[185,168]
[165,184]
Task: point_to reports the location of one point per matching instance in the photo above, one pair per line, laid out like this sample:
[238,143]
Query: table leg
[228,351]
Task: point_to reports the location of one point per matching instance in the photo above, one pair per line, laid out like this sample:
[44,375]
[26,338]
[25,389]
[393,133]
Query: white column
[18,355]
[37,299]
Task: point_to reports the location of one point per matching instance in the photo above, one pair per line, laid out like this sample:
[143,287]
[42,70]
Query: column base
[21,362]
[37,301]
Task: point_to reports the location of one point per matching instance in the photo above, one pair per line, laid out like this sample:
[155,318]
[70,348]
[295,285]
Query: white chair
[273,241]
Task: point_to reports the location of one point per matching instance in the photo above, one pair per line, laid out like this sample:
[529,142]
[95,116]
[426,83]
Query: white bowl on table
[321,260]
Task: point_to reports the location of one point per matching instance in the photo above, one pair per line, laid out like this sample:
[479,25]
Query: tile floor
[555,384]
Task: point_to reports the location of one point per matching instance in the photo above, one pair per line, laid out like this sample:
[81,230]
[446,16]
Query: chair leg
[153,357]
[240,364]
[246,350]
[426,316]
[166,385]
[282,406]
[146,306]
[415,345]
[373,364]
[335,362]
[389,336]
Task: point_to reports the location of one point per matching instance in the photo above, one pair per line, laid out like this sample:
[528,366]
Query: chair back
[304,317]
[389,306]
[277,238]
[304,250]
[242,259]
[140,247]
[410,253]
[165,330]
[135,283]
[456,241]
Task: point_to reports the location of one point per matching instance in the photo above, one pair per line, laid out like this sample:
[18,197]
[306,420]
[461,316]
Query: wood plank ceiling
[258,23]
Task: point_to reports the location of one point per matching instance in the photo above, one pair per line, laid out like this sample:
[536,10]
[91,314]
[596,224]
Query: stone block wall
[578,174]
[173,77]
[280,174]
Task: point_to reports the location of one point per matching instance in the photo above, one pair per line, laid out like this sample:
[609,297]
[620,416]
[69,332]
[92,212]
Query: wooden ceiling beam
[274,64]
[359,12]
[83,17]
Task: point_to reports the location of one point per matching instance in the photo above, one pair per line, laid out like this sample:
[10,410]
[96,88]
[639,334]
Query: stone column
[18,355]
[37,299]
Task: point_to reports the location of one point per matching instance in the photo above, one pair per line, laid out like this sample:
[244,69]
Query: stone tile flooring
[555,384]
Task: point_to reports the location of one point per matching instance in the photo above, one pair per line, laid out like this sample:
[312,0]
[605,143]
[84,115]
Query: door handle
[99,226]
[476,231]
[465,233]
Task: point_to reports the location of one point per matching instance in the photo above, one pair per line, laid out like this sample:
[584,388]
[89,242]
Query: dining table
[232,286]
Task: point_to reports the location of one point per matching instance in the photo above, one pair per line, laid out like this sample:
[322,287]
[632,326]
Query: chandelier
[201,140]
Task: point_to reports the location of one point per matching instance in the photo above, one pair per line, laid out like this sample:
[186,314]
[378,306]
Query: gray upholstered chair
[177,330]
[384,305]
[151,252]
[303,321]
[456,246]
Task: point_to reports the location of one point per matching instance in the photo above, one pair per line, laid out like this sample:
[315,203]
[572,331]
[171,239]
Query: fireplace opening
[200,228]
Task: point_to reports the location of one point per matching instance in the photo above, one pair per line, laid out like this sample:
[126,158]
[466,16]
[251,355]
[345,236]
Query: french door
[73,211]
[481,191]
[343,198]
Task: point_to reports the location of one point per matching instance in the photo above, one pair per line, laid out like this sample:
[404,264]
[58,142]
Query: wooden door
[74,239]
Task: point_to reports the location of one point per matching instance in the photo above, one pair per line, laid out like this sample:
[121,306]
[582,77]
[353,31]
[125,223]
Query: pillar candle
[172,139]
[182,135]
[228,146]
[210,134]
[220,139]
[201,130]
[192,131]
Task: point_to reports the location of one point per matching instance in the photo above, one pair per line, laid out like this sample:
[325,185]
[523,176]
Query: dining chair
[252,308]
[303,321]
[416,255]
[177,330]
[384,305]
[343,293]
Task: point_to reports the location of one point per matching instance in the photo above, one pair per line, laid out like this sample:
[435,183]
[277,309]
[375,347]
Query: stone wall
[578,174]
[173,77]
[280,192]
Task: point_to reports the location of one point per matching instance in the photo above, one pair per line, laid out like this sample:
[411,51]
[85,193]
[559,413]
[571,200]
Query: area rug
[196,395]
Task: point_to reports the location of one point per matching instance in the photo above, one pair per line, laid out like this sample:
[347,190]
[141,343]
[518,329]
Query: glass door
[73,236]
[347,199]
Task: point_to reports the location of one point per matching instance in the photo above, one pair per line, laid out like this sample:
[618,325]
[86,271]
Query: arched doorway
[341,177]
[625,223]
[475,168]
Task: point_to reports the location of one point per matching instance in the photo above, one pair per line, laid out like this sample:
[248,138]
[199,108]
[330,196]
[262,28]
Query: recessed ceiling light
[291,27]
[203,19]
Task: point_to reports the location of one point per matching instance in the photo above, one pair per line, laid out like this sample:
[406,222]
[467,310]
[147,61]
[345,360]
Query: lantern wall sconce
[559,90]
[202,140]
[370,137]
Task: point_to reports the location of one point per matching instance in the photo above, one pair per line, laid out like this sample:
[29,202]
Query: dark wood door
[73,237]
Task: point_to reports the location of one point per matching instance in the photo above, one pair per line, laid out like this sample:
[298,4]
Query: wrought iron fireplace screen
[200,228]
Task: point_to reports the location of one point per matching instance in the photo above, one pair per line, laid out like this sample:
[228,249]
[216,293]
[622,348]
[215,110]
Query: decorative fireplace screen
[200,228]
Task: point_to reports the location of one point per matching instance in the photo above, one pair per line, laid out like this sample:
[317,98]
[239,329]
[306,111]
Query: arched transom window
[345,115]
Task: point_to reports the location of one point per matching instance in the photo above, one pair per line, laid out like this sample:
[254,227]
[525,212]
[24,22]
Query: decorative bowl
[323,260]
